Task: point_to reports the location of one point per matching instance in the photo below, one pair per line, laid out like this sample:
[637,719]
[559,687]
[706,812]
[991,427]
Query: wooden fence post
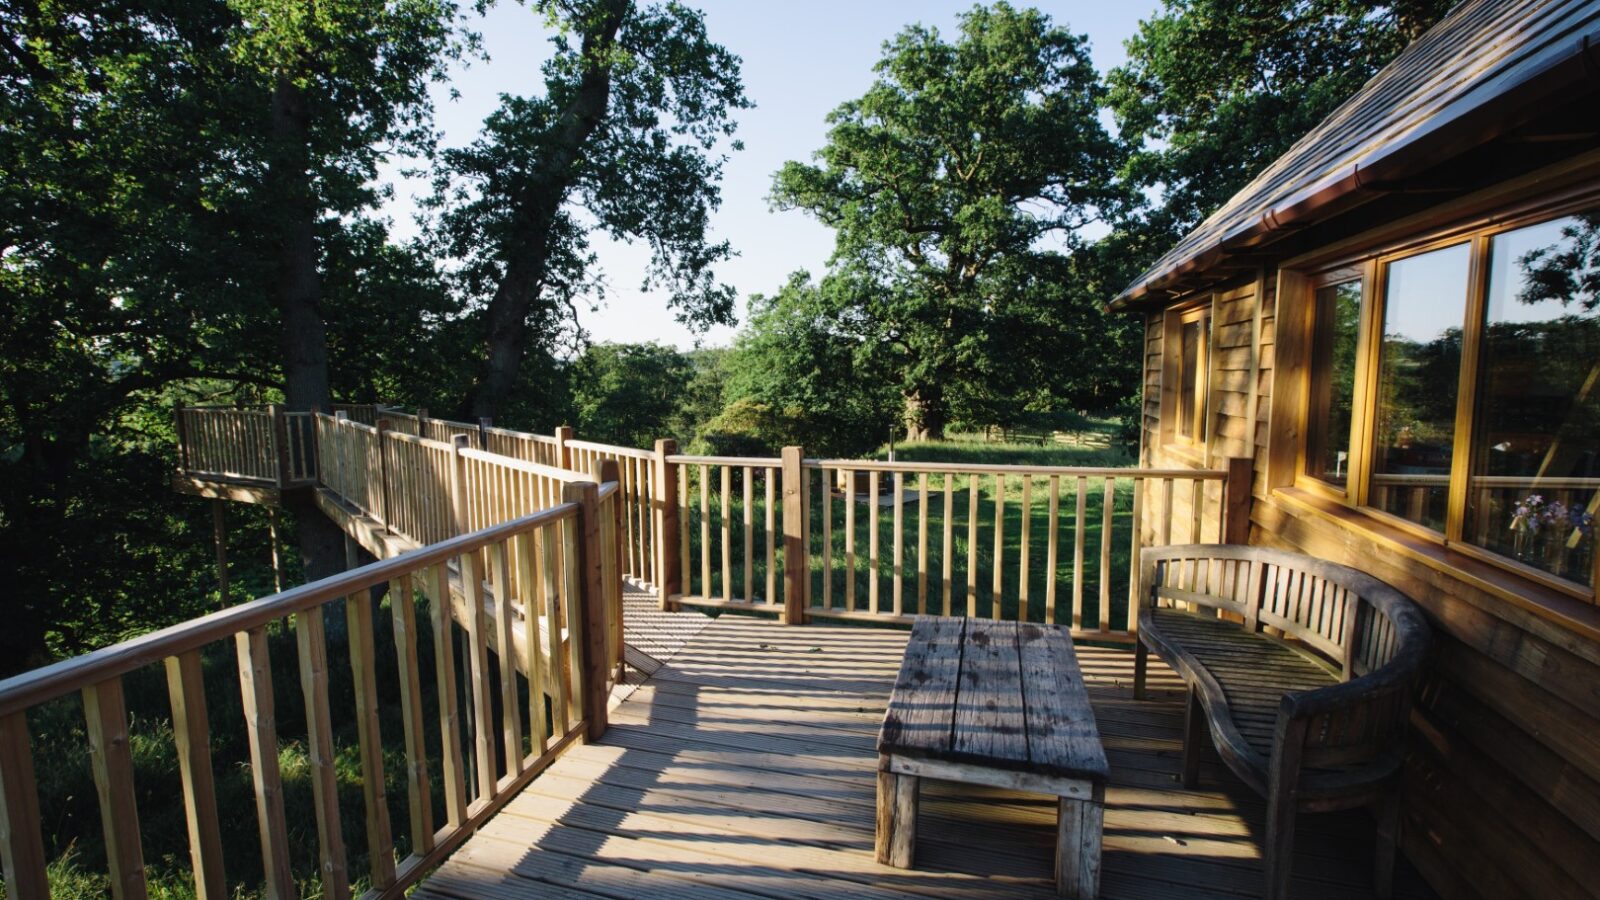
[563,452]
[796,569]
[669,580]
[591,606]
[1237,500]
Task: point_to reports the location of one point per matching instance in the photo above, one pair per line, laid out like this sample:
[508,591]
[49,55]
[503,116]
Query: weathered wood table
[999,704]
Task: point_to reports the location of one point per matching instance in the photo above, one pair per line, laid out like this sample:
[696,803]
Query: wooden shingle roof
[1467,80]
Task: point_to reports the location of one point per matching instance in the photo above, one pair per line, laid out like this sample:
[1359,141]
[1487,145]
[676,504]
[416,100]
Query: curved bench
[1301,669]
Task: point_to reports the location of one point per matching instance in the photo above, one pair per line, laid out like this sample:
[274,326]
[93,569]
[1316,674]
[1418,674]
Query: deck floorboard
[740,763]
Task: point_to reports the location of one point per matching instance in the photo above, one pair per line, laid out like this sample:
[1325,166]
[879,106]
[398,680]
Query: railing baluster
[728,590]
[21,837]
[748,520]
[899,544]
[772,534]
[191,737]
[107,717]
[850,540]
[369,738]
[1052,563]
[313,647]
[1108,513]
[1164,526]
[972,546]
[705,533]
[560,688]
[873,483]
[526,551]
[419,796]
[1023,612]
[451,765]
[827,537]
[947,558]
[1140,485]
[1078,523]
[685,532]
[922,542]
[505,647]
[999,544]
[478,672]
[261,730]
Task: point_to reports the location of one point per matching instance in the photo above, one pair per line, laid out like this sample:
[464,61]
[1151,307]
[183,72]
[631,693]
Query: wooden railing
[884,541]
[559,565]
[423,490]
[261,444]
[638,478]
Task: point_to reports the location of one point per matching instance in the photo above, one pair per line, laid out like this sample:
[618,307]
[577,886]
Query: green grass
[832,575]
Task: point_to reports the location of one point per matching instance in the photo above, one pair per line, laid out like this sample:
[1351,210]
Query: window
[1533,491]
[1419,371]
[1457,390]
[1194,341]
[1333,381]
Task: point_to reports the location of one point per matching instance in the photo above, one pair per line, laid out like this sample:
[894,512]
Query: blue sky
[800,60]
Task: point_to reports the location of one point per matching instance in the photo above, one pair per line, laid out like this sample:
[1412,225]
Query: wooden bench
[999,704]
[1303,672]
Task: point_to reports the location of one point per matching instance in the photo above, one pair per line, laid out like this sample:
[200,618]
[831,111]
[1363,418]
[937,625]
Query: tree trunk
[926,413]
[537,204]
[299,294]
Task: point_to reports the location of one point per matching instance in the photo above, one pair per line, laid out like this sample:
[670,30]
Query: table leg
[1078,828]
[897,817]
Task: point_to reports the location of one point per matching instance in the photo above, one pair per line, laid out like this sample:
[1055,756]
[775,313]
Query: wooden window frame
[1298,283]
[1193,448]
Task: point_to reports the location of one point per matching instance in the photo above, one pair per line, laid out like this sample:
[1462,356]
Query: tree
[947,184]
[628,394]
[798,375]
[624,140]
[1215,90]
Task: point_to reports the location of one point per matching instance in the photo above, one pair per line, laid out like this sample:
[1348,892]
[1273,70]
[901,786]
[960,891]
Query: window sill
[1186,453]
[1572,614]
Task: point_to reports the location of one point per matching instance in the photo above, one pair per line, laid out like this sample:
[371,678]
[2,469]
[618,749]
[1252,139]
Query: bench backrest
[1368,631]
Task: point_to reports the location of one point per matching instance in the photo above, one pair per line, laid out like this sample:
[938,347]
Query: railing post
[458,483]
[1237,500]
[563,452]
[669,578]
[383,474]
[590,636]
[796,569]
[609,471]
[280,443]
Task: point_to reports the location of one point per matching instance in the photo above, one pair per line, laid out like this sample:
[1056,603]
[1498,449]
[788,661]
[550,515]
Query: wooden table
[999,704]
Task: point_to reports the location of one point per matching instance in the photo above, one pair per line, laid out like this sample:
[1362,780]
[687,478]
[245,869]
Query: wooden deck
[744,765]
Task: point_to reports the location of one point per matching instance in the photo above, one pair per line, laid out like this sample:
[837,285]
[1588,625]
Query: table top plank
[990,725]
[1006,695]
[1062,736]
[926,688]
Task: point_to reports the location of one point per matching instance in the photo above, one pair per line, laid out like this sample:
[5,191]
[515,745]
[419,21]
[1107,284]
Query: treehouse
[1398,322]
[1334,636]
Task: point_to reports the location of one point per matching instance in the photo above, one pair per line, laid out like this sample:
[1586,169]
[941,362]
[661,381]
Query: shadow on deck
[744,765]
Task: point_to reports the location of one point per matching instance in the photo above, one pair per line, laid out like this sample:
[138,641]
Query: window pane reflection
[1333,381]
[1189,381]
[1419,372]
[1534,486]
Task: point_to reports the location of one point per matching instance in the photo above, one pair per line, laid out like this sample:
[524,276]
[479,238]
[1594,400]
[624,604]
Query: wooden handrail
[19,692]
